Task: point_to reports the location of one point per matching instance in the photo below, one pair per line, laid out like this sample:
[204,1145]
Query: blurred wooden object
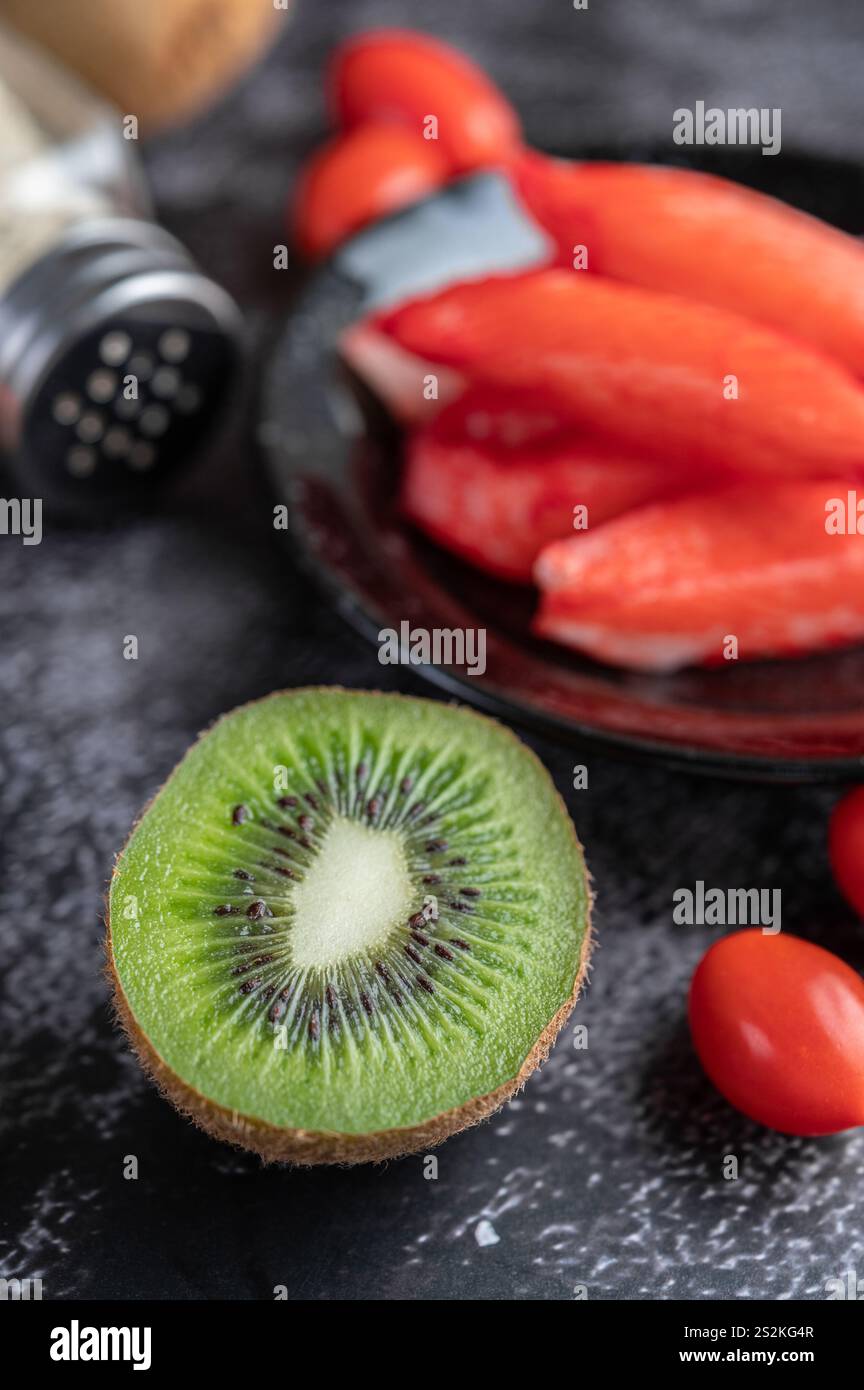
[159,60]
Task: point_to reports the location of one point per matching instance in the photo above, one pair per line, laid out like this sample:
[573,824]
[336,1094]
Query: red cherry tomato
[846,847]
[779,1027]
[358,178]
[397,75]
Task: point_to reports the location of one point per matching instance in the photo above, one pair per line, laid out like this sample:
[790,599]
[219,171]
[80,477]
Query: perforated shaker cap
[116,358]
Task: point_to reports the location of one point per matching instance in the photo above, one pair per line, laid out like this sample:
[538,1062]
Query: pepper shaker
[115,350]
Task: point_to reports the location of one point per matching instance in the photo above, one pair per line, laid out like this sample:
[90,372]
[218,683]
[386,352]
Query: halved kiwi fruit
[349,925]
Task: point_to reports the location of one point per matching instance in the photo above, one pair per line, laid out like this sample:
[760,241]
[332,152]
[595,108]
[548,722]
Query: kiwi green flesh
[348,914]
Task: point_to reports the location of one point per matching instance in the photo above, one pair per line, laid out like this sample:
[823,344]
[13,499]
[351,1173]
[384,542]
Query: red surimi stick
[750,571]
[706,238]
[494,479]
[676,379]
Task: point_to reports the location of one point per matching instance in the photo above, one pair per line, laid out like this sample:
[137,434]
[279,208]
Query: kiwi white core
[356,891]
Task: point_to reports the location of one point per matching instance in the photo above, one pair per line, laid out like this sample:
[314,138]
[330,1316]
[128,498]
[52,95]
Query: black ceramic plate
[334,458]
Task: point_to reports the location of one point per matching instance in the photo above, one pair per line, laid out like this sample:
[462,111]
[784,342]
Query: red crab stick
[494,479]
[708,239]
[668,585]
[650,370]
[417,81]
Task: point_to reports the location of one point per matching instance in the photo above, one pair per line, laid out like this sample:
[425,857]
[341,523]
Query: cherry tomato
[397,75]
[778,1024]
[358,178]
[846,847]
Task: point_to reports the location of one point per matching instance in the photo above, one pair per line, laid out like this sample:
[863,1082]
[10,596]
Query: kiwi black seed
[349,925]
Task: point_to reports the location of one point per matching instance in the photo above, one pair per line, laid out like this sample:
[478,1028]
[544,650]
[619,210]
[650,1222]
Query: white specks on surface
[485,1233]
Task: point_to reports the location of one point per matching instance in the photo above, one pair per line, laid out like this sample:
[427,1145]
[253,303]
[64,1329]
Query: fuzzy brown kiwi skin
[306,1147]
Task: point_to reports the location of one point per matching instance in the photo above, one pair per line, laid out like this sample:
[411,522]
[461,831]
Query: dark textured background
[607,1171]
